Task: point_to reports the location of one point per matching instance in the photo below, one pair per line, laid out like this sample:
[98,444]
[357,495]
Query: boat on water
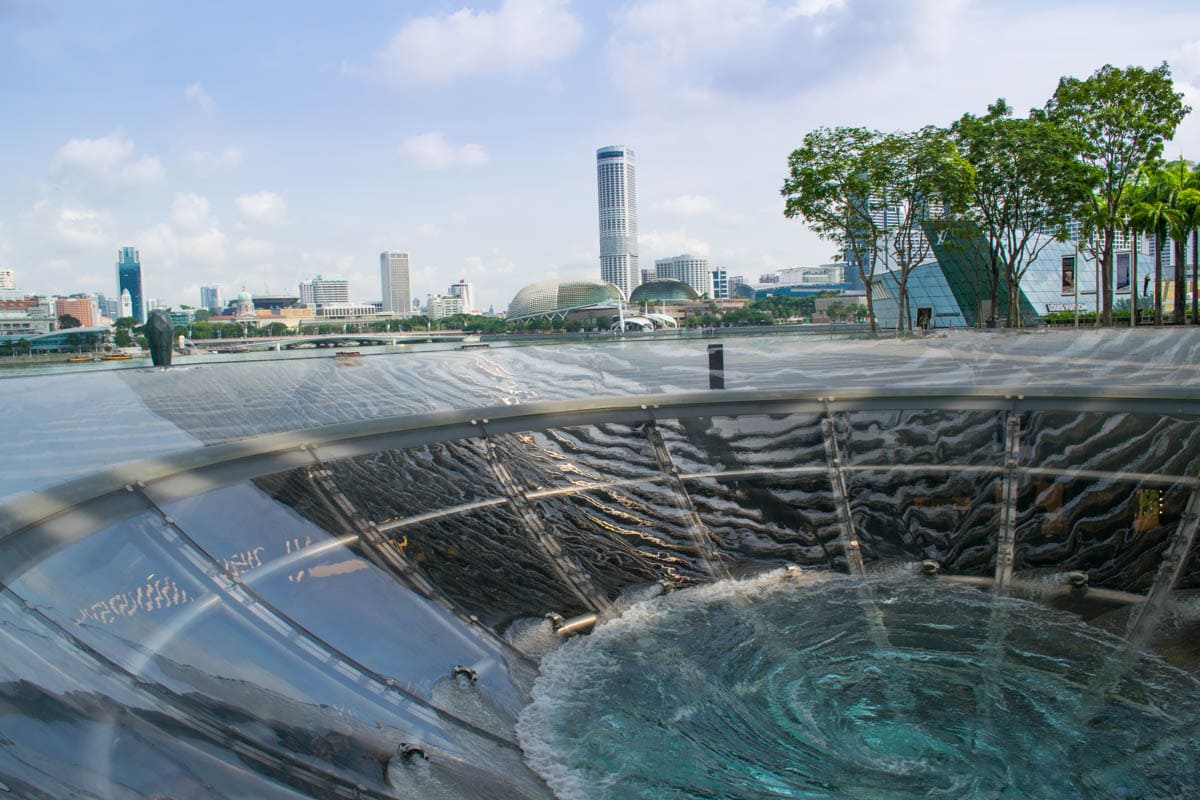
[474,346]
[79,360]
[234,348]
[117,357]
[347,354]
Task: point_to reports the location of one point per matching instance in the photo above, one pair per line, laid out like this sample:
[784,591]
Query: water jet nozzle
[930,568]
[468,673]
[576,624]
[1078,581]
[409,751]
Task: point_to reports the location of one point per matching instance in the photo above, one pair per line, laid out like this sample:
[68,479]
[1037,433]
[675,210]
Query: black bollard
[716,366]
[161,333]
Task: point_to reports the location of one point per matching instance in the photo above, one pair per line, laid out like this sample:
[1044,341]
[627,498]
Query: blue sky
[259,144]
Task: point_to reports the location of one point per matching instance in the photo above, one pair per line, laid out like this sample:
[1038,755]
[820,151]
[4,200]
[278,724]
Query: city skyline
[271,164]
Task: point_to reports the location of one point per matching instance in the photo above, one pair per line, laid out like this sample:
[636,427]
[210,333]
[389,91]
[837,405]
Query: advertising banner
[1068,274]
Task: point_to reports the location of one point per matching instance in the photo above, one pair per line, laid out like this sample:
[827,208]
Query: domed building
[555,299]
[663,291]
[243,306]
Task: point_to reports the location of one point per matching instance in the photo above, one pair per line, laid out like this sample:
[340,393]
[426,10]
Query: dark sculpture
[160,331]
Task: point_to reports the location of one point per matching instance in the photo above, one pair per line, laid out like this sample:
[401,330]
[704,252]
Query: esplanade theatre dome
[665,290]
[556,298]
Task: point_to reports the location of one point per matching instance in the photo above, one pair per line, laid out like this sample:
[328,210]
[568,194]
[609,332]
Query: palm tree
[1151,213]
[1181,199]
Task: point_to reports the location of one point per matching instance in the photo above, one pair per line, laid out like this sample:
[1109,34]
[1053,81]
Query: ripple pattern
[834,688]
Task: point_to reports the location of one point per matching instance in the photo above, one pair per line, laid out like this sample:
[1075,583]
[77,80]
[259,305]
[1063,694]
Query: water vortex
[882,689]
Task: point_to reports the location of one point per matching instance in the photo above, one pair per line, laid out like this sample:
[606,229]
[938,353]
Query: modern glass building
[129,279]
[958,287]
[616,185]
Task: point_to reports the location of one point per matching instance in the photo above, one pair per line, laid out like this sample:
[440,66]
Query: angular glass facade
[129,279]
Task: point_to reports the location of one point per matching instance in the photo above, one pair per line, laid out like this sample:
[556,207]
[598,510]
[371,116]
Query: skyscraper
[8,279]
[129,279]
[618,217]
[210,298]
[394,277]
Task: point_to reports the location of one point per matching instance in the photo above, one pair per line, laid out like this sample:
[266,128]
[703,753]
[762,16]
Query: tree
[1027,181]
[122,338]
[1180,188]
[1151,213]
[277,329]
[202,314]
[920,179]
[66,321]
[1122,117]
[829,187]
[126,323]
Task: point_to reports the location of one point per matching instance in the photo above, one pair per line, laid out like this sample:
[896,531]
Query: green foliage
[122,338]
[126,323]
[67,321]
[1026,179]
[1122,116]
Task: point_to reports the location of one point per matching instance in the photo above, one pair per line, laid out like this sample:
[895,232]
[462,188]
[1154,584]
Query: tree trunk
[1180,315]
[1133,281]
[870,304]
[1106,275]
[901,302]
[1159,235]
[1195,276]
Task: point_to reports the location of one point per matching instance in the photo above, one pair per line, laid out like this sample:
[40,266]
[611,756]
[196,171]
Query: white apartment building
[395,279]
[322,291]
[8,280]
[441,305]
[691,269]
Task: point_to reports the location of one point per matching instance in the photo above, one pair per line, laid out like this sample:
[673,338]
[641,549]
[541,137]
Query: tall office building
[129,279]
[720,284]
[395,278]
[692,270]
[618,217]
[322,291]
[8,279]
[467,292]
[212,299]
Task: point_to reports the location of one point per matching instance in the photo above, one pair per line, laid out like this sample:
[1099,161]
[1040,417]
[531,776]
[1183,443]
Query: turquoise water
[833,688]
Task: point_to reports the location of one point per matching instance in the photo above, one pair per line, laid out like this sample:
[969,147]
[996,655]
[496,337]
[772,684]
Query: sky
[259,144]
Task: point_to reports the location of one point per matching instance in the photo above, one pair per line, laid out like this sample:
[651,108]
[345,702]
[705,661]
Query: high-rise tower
[618,217]
[396,281]
[129,279]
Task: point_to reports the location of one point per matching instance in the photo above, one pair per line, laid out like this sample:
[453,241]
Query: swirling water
[877,689]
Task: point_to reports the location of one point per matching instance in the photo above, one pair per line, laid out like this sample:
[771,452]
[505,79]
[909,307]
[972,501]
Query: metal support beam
[697,530]
[1006,535]
[1146,616]
[562,563]
[841,497]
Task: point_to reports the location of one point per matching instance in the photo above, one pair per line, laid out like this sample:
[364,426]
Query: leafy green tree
[127,323]
[122,338]
[1122,117]
[202,314]
[1180,188]
[829,186]
[66,321]
[1026,180]
[923,179]
[277,329]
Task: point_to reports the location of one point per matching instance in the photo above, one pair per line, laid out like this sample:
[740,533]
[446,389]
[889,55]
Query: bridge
[333,340]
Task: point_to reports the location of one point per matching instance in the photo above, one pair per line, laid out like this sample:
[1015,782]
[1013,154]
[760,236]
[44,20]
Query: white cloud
[195,93]
[263,207]
[436,50]
[109,158]
[95,156]
[432,151]
[205,249]
[202,162]
[191,213]
[686,205]
[81,228]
